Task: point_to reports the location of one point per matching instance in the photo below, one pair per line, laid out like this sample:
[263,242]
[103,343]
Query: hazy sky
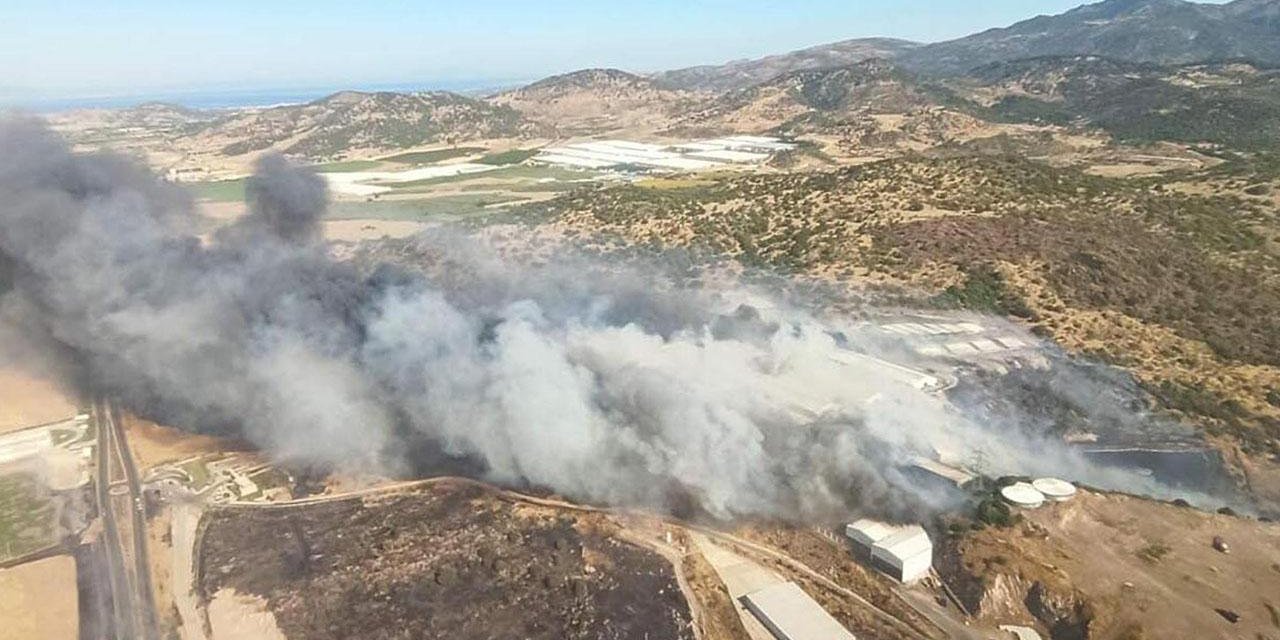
[79,47]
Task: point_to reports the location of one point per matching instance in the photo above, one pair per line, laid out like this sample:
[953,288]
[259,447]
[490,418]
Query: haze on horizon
[141,46]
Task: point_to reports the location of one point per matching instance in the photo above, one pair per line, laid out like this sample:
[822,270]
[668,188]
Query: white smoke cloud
[589,381]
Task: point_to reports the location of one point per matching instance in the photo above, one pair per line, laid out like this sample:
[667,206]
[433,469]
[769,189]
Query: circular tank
[1022,495]
[1055,489]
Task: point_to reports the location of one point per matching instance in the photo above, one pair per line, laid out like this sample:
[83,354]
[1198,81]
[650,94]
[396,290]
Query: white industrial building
[904,552]
[790,614]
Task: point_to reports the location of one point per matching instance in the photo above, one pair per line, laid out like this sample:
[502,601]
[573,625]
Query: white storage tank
[1055,489]
[1022,494]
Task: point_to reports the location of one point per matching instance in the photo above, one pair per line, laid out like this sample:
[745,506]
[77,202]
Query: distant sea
[231,98]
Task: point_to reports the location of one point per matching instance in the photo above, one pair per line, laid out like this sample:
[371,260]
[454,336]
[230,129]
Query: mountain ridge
[1159,31]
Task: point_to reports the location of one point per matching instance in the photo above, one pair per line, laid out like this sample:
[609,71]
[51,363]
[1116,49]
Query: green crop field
[443,208]
[26,516]
[516,177]
[514,156]
[348,165]
[435,155]
[221,191]
[198,471]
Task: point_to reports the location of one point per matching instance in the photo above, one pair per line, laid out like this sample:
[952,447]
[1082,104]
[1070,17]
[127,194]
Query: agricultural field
[348,165]
[39,600]
[27,400]
[513,156]
[439,208]
[220,191]
[531,177]
[434,155]
[27,516]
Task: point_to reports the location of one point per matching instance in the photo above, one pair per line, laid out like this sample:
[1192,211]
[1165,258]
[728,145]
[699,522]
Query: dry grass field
[26,401]
[38,601]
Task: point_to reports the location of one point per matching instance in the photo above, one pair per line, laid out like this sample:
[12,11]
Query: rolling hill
[596,99]
[871,86]
[869,105]
[354,121]
[1235,104]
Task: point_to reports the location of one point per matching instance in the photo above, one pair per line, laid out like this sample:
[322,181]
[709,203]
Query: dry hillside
[594,100]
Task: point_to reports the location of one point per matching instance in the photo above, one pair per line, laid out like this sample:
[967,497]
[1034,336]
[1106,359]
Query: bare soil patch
[27,400]
[1115,566]
[358,230]
[153,444]
[38,601]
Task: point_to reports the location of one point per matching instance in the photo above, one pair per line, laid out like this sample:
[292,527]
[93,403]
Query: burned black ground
[448,560]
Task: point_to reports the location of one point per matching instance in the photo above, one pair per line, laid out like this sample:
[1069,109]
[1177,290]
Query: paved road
[121,591]
[131,595]
[144,596]
[740,576]
[924,604]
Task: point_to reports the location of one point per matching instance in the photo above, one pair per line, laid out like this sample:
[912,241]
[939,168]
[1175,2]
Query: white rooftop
[868,531]
[790,614]
[906,542]
[959,476]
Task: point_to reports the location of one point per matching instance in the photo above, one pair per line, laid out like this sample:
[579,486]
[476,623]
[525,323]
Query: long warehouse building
[790,614]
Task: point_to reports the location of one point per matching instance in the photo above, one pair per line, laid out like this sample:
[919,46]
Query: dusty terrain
[38,601]
[27,401]
[358,230]
[153,444]
[1112,566]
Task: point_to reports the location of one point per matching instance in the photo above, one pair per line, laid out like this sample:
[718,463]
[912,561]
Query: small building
[941,473]
[790,614]
[903,552]
[906,554]
[865,533]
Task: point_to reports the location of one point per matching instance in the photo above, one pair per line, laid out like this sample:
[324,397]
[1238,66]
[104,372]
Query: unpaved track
[185,525]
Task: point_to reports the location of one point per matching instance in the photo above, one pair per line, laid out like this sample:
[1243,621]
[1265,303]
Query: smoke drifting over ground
[600,388]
